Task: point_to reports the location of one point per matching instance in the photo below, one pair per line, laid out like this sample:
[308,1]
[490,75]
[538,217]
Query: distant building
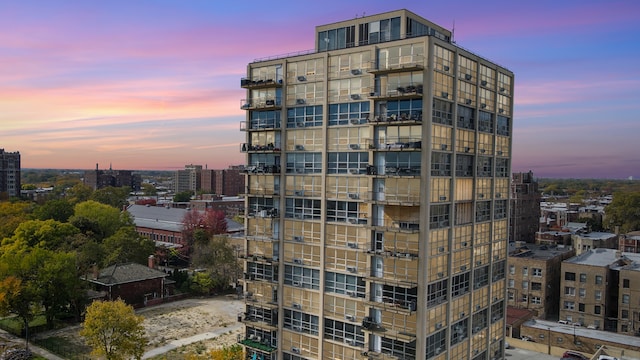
[533,278]
[188,179]
[231,205]
[98,179]
[585,241]
[525,207]
[629,242]
[9,173]
[227,182]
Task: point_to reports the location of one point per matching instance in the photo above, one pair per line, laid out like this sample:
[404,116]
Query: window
[525,271]
[302,277]
[582,292]
[598,295]
[569,291]
[440,164]
[481,276]
[502,167]
[511,283]
[569,305]
[442,112]
[498,270]
[625,283]
[598,279]
[437,293]
[344,113]
[583,278]
[525,285]
[303,209]
[512,269]
[304,116]
[392,346]
[485,122]
[479,320]
[439,217]
[304,163]
[466,117]
[464,165]
[460,284]
[625,298]
[581,307]
[459,331]
[436,343]
[624,314]
[301,322]
[596,309]
[536,300]
[342,331]
[537,272]
[500,212]
[503,127]
[347,162]
[570,276]
[342,283]
[405,109]
[536,286]
[483,211]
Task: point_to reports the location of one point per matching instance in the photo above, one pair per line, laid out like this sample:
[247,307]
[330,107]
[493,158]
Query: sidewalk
[186,341]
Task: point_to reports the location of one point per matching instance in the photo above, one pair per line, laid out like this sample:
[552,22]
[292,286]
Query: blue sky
[155,84]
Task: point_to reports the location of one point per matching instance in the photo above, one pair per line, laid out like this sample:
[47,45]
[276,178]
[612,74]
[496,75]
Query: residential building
[533,277]
[227,182]
[188,179]
[360,241]
[525,207]
[9,174]
[629,242]
[98,179]
[585,241]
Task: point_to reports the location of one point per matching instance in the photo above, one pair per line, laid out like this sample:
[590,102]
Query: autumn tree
[112,196]
[126,245]
[47,234]
[200,226]
[232,352]
[55,209]
[623,212]
[219,257]
[78,193]
[99,219]
[113,330]
[11,215]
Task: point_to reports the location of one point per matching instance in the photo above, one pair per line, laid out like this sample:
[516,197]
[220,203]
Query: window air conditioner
[467,77]
[441,249]
[442,198]
[297,261]
[463,268]
[443,146]
[467,149]
[302,78]
[298,192]
[355,96]
[352,245]
[354,171]
[352,269]
[351,293]
[300,101]
[483,106]
[354,146]
[445,68]
[350,342]
[502,89]
[483,82]
[354,121]
[445,94]
[353,195]
[296,306]
[298,238]
[500,111]
[296,283]
[468,101]
[350,317]
[439,326]
[295,349]
[356,72]
[299,147]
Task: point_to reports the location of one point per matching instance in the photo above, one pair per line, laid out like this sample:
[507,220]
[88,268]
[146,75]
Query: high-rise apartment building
[227,182]
[378,173]
[525,208]
[188,179]
[9,173]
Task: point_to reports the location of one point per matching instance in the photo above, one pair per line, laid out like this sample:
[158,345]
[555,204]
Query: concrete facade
[525,207]
[9,174]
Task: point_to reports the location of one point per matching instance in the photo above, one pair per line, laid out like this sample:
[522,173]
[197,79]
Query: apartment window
[403,163]
[302,277]
[405,350]
[525,285]
[536,300]
[343,211]
[625,283]
[261,271]
[345,113]
[497,311]
[569,305]
[436,343]
[581,307]
[503,126]
[439,217]
[343,284]
[304,163]
[598,295]
[442,112]
[536,286]
[598,279]
[464,165]
[582,292]
[502,167]
[485,166]
[379,31]
[570,276]
[479,320]
[342,331]
[406,109]
[596,309]
[265,120]
[483,211]
[301,322]
[525,271]
[304,116]
[466,117]
[437,292]
[498,270]
[512,269]
[525,298]
[511,283]
[537,272]
[624,314]
[500,210]
[347,162]
[583,278]
[459,331]
[485,122]
[440,164]
[460,284]
[303,209]
[625,298]
[569,291]
[340,38]
[511,296]
[481,276]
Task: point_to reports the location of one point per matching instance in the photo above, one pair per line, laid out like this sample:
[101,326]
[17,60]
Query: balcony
[411,226]
[266,322]
[410,117]
[262,169]
[265,213]
[396,305]
[256,343]
[394,197]
[259,148]
[408,91]
[397,64]
[256,83]
[260,125]
[402,143]
[261,103]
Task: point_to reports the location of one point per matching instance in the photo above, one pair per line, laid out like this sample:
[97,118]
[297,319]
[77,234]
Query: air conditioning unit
[498,195]
[299,147]
[351,342]
[482,151]
[443,146]
[439,326]
[483,106]
[352,245]
[296,306]
[464,243]
[463,268]
[353,221]
[467,149]
[502,89]
[476,329]
[480,196]
[445,68]
[444,94]
[441,249]
[351,293]
[252,337]
[350,317]
[438,350]
[298,192]
[353,195]
[258,338]
[354,171]
[297,216]
[356,72]
[295,350]
[442,198]
[500,111]
[478,307]
[467,76]
[440,274]
[296,283]
[302,78]
[298,238]
[354,121]
[297,261]
[468,101]
[354,146]
[373,93]
[355,96]
[301,101]
[352,269]
[483,82]
[479,262]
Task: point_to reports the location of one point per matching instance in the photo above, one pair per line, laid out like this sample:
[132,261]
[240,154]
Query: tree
[60,285]
[103,219]
[78,193]
[113,330]
[126,245]
[11,215]
[623,211]
[220,257]
[149,189]
[184,196]
[47,234]
[56,209]
[112,196]
[232,352]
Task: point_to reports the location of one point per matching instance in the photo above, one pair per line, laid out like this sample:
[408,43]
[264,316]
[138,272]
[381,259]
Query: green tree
[47,234]
[78,193]
[104,220]
[126,245]
[149,189]
[201,283]
[623,211]
[113,196]
[220,258]
[184,196]
[56,209]
[11,215]
[113,330]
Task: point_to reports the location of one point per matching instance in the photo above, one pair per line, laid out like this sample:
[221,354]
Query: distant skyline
[155,84]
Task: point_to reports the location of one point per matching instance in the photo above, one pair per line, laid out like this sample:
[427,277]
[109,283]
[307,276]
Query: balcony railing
[260,103]
[394,197]
[407,91]
[261,345]
[401,143]
[262,169]
[245,147]
[397,64]
[396,225]
[257,83]
[260,125]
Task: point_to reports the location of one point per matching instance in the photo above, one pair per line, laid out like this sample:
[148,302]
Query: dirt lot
[178,320]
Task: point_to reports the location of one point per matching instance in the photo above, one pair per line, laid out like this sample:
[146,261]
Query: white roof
[581,331]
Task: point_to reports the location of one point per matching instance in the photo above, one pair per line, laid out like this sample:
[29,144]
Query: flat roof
[584,332]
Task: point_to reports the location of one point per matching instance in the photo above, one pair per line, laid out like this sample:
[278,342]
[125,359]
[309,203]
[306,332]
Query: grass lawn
[64,348]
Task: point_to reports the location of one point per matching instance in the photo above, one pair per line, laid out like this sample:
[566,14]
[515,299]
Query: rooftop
[126,273]
[540,252]
[584,332]
[608,257]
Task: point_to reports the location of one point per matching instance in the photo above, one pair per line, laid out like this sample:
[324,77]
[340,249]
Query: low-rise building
[593,240]
[629,242]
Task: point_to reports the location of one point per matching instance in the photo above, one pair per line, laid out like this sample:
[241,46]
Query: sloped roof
[126,273]
[167,218]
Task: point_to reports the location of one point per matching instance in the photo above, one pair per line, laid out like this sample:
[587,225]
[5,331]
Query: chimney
[152,262]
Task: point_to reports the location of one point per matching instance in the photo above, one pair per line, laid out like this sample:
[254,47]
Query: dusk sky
[153,84]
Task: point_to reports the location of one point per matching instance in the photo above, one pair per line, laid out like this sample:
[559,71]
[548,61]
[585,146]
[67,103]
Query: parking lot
[521,354]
